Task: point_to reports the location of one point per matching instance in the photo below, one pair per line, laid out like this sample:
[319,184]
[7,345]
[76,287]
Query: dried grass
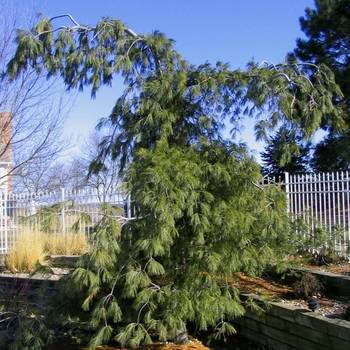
[32,248]
[65,244]
[26,254]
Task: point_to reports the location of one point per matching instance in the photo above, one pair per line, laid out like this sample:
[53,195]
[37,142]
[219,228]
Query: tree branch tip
[130,32]
[65,15]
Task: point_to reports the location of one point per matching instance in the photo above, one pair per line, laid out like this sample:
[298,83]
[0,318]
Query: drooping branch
[157,79]
[78,26]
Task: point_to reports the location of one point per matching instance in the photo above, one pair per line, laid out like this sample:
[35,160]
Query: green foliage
[25,325]
[84,218]
[332,154]
[327,29]
[32,332]
[91,286]
[159,84]
[49,218]
[212,202]
[134,334]
[172,265]
[202,212]
[222,331]
[102,336]
[285,154]
[257,307]
[316,240]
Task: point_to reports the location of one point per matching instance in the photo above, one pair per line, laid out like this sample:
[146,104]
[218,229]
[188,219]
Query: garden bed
[331,306]
[288,317]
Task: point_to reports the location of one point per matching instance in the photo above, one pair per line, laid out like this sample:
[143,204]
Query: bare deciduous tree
[74,173]
[33,110]
[107,179]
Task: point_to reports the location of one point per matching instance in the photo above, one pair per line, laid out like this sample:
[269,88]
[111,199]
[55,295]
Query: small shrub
[307,286]
[327,258]
[317,242]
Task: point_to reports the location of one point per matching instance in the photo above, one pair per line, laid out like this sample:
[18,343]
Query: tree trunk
[181,336]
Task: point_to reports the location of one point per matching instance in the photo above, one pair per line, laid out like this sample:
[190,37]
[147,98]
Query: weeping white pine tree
[202,213]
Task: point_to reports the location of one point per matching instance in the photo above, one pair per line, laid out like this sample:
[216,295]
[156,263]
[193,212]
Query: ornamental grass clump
[31,249]
[70,243]
[26,254]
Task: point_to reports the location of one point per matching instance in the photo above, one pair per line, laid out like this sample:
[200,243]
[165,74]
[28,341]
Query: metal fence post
[128,206]
[63,221]
[286,181]
[4,227]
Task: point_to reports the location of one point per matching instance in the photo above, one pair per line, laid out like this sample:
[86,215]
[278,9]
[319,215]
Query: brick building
[5,151]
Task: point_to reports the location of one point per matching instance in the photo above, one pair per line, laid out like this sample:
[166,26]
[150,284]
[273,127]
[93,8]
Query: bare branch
[36,108]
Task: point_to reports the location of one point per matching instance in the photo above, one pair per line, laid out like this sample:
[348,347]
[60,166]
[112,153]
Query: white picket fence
[17,211]
[315,198]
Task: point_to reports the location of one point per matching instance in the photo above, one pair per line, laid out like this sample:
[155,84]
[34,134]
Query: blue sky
[233,31]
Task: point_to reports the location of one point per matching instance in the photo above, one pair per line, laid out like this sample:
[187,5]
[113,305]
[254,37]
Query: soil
[338,269]
[274,291]
[233,343]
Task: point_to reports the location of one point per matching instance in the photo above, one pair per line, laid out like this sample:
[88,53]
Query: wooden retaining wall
[333,283]
[286,327]
[282,327]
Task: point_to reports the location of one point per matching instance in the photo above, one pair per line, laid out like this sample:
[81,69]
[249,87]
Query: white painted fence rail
[17,211]
[322,198]
[316,198]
